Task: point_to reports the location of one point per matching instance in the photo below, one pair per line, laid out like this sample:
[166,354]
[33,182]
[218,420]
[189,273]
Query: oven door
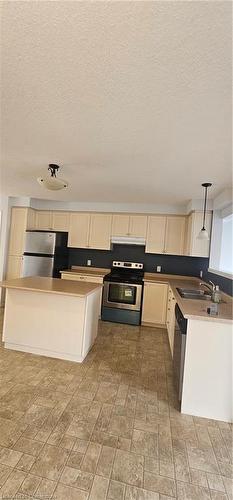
[122,295]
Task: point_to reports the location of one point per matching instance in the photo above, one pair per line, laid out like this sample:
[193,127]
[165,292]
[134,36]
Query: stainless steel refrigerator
[45,253]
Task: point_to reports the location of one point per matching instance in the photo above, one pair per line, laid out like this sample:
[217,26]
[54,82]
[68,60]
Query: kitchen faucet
[211,288]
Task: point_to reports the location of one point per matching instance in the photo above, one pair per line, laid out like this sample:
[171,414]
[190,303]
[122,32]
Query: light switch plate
[158,269]
[88,262]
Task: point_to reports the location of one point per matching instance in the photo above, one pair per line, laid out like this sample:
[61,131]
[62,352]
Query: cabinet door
[60,221]
[31,219]
[155,239]
[120,225]
[14,267]
[200,248]
[188,232]
[17,230]
[43,220]
[100,231]
[154,305]
[170,321]
[79,230]
[138,225]
[174,239]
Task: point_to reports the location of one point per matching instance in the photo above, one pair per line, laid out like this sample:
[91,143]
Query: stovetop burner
[126,272]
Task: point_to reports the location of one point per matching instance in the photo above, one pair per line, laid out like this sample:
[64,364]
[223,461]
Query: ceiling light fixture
[204,235]
[51,181]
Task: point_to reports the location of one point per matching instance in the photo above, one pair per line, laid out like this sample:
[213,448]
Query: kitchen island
[51,317]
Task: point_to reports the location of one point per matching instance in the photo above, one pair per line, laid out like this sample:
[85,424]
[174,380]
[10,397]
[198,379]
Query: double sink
[189,293]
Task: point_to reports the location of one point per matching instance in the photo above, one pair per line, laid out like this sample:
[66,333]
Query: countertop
[193,308]
[87,270]
[52,285]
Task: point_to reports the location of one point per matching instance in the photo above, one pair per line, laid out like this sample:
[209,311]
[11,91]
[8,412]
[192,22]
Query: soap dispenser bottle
[216,297]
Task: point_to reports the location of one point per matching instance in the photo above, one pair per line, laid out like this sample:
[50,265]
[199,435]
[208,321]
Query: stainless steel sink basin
[189,293]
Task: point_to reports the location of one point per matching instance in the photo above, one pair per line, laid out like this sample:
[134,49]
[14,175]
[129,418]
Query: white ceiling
[132,98]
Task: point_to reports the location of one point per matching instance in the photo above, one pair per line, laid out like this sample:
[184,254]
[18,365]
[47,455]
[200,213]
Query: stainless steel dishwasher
[179,350]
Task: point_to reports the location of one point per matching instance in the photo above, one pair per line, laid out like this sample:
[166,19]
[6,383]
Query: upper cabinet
[60,221]
[120,225]
[196,247]
[18,227]
[43,220]
[79,230]
[165,234]
[129,225]
[155,240]
[31,219]
[174,237]
[90,231]
[100,231]
[138,225]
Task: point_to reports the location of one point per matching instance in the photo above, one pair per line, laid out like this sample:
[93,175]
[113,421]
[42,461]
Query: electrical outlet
[88,262]
[201,274]
[158,269]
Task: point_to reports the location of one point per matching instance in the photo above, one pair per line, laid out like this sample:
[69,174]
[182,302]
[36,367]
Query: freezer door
[40,242]
[37,266]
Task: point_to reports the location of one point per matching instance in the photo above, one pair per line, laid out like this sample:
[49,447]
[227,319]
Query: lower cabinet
[14,267]
[154,305]
[170,320]
[86,278]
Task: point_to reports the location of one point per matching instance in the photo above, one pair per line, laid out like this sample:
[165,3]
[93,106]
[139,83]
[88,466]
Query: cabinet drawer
[81,277]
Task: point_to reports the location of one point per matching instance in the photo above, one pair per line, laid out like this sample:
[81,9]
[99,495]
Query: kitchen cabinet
[120,225]
[100,231]
[17,230]
[165,234]
[129,225]
[174,235]
[194,246]
[138,225]
[154,305]
[155,239]
[44,220]
[79,230]
[60,221]
[14,267]
[90,231]
[31,219]
[170,319]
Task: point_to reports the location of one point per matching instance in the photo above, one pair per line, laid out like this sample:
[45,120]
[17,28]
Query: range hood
[128,240]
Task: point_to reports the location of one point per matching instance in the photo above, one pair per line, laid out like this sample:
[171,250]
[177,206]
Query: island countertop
[52,285]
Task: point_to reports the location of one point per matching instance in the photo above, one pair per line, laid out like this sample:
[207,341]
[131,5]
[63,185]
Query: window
[221,252]
[226,255]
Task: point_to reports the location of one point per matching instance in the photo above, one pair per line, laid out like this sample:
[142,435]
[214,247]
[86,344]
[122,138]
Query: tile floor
[108,428]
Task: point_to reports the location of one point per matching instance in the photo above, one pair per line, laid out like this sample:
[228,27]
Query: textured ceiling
[132,98]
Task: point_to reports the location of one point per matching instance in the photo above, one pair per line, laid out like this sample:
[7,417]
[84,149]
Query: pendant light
[52,182]
[203,234]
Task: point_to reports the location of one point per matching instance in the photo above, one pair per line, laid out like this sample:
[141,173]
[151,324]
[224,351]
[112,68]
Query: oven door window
[122,294]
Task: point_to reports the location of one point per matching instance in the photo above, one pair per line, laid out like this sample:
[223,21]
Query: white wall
[106,207]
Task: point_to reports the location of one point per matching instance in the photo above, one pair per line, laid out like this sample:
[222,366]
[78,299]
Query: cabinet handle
[168,308]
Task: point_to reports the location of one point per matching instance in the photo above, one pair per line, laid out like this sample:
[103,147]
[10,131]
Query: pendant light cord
[204,214]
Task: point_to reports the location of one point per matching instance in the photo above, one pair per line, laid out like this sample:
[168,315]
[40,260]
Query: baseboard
[153,325]
[44,352]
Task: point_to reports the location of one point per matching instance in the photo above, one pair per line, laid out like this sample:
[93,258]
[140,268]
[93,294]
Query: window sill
[221,273]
